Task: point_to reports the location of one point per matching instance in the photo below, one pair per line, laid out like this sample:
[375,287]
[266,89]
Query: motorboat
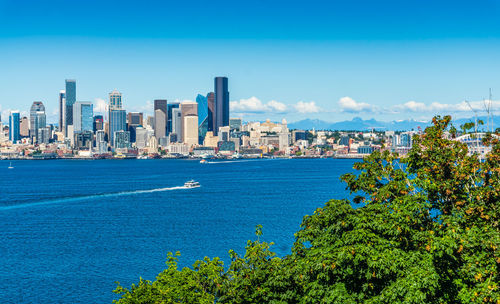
[203,161]
[192,184]
[10,166]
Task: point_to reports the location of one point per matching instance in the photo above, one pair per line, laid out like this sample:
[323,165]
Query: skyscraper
[62,110]
[37,119]
[202,102]
[14,135]
[83,117]
[70,100]
[190,129]
[117,122]
[115,100]
[221,103]
[170,108]
[161,118]
[187,108]
[134,120]
[98,123]
[24,127]
[176,124]
[211,111]
[117,116]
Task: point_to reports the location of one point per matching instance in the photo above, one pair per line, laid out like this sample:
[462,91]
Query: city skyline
[388,60]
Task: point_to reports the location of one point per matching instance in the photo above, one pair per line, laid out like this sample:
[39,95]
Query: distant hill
[359,124]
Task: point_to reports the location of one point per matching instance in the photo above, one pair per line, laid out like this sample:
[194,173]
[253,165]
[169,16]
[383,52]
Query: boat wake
[86,197]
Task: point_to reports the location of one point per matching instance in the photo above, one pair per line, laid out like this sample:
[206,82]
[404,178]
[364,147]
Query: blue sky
[331,60]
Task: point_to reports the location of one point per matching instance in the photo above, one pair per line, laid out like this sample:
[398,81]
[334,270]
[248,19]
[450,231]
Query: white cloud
[100,105]
[436,107]
[347,104]
[254,105]
[306,107]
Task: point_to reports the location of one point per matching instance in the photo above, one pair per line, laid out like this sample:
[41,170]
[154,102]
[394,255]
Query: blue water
[70,228]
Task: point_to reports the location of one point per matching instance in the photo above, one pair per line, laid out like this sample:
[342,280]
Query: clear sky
[331,60]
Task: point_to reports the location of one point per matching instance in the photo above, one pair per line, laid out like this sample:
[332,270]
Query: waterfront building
[37,119]
[210,140]
[161,118]
[202,102]
[235,124]
[98,123]
[83,117]
[190,130]
[43,135]
[224,133]
[221,103]
[117,122]
[187,108]
[152,145]
[62,110]
[178,148]
[101,144]
[283,141]
[83,140]
[24,127]
[115,100]
[14,124]
[70,101]
[365,150]
[121,139]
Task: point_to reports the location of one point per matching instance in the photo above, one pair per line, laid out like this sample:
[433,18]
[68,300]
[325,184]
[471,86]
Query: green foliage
[425,231]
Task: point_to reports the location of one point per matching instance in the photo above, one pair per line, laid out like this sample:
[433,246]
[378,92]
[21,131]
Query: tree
[419,229]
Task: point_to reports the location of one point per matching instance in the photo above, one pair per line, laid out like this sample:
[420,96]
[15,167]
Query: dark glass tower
[221,103]
[211,111]
[202,102]
[170,115]
[70,101]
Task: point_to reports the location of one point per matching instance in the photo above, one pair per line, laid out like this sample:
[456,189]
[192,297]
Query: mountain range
[359,124]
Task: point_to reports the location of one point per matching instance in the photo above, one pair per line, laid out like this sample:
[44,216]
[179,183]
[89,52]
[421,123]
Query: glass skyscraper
[14,121]
[115,100]
[221,103]
[170,115]
[70,101]
[83,117]
[62,109]
[117,122]
[37,118]
[202,117]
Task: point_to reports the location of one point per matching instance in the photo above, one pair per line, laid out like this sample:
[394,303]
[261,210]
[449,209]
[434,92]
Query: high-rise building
[100,142]
[121,139]
[187,108]
[161,118]
[170,108]
[190,130]
[14,134]
[83,117]
[43,136]
[98,123]
[117,122]
[141,137]
[202,102]
[134,120]
[24,127]
[37,119]
[211,111]
[70,100]
[176,125]
[221,103]
[62,110]
[115,100]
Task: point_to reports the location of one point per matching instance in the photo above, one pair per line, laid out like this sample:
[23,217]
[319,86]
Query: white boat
[10,166]
[192,184]
[203,161]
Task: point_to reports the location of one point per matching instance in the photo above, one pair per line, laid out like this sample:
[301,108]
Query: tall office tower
[176,124]
[211,111]
[161,117]
[70,100]
[190,129]
[98,123]
[170,108]
[150,121]
[14,134]
[115,100]
[187,108]
[141,137]
[117,122]
[37,119]
[221,103]
[24,127]
[43,136]
[83,117]
[62,110]
[134,120]
[202,102]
